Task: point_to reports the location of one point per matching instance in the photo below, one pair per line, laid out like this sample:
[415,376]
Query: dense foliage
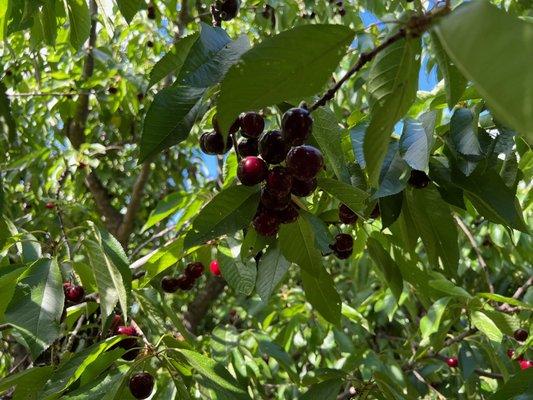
[147,250]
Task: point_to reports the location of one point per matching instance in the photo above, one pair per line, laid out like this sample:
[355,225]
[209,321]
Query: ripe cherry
[74,293]
[272,202]
[213,143]
[150,44]
[214,267]
[116,322]
[112,90]
[452,362]
[50,205]
[520,335]
[248,147]
[343,255]
[141,385]
[266,223]
[296,126]
[303,188]
[252,170]
[194,270]
[343,242]
[272,147]
[252,124]
[279,181]
[185,282]
[130,343]
[525,364]
[346,215]
[127,330]
[419,179]
[228,9]
[288,215]
[151,11]
[511,353]
[169,284]
[233,128]
[305,162]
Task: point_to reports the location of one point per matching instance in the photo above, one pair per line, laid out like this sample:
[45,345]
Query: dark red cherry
[216,127]
[50,205]
[305,162]
[272,147]
[279,181]
[151,11]
[419,179]
[252,170]
[296,126]
[520,335]
[194,270]
[248,147]
[343,242]
[228,9]
[303,188]
[75,294]
[169,284]
[452,362]
[288,215]
[141,385]
[272,202]
[185,282]
[252,124]
[346,215]
[213,143]
[343,255]
[266,223]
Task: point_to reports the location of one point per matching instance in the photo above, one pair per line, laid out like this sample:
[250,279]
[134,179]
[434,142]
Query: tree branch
[102,199]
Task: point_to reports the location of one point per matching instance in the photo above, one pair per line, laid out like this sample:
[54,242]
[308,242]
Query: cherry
[266,223]
[130,343]
[233,128]
[342,12]
[272,202]
[127,330]
[252,170]
[228,9]
[252,124]
[141,385]
[149,43]
[248,147]
[194,270]
[376,212]
[520,335]
[288,215]
[346,215]
[419,179]
[50,205]
[74,293]
[272,147]
[112,90]
[303,188]
[116,322]
[185,282]
[452,362]
[343,242]
[169,284]
[279,181]
[525,364]
[215,268]
[140,96]
[296,126]
[511,353]
[343,255]
[213,143]
[304,162]
[151,11]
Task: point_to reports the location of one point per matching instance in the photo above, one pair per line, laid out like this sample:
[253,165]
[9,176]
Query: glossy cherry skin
[252,124]
[346,215]
[141,385]
[214,267]
[266,223]
[252,170]
[272,202]
[289,214]
[520,335]
[279,181]
[296,126]
[233,128]
[213,143]
[75,294]
[452,362]
[50,205]
[304,162]
[248,147]
[343,242]
[272,147]
[525,364]
[169,284]
[303,188]
[194,270]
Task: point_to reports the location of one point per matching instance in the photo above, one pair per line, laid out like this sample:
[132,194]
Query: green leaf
[321,293]
[129,8]
[520,383]
[394,173]
[292,65]
[482,322]
[166,207]
[326,390]
[37,304]
[239,275]
[172,62]
[430,322]
[350,195]
[327,133]
[216,373]
[6,118]
[415,144]
[80,22]
[392,276]
[297,244]
[281,356]
[271,270]
[445,286]
[169,119]
[48,21]
[504,299]
[26,382]
[454,81]
[8,282]
[501,41]
[392,85]
[463,132]
[114,251]
[252,244]
[492,198]
[435,226]
[390,208]
[5,9]
[108,279]
[230,210]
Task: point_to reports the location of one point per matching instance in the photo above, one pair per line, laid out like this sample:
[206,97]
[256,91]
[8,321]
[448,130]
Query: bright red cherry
[194,270]
[215,268]
[296,126]
[252,124]
[346,215]
[141,385]
[126,330]
[304,162]
[74,293]
[525,364]
[272,147]
[303,188]
[251,171]
[50,205]
[452,362]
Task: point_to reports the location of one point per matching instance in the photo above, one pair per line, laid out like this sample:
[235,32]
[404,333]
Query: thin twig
[523,288]
[152,238]
[460,337]
[4,327]
[72,337]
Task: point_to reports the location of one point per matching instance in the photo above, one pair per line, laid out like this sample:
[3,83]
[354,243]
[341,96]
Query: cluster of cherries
[520,335]
[193,271]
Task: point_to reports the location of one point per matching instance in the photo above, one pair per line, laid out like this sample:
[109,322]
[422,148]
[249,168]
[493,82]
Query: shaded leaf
[350,195]
[271,270]
[463,131]
[80,22]
[240,275]
[391,273]
[129,8]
